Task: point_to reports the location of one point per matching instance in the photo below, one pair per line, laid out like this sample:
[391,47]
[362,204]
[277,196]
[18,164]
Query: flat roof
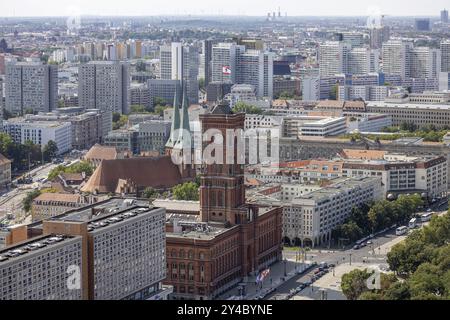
[33,245]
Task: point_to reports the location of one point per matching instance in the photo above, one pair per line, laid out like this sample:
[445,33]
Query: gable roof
[158,172]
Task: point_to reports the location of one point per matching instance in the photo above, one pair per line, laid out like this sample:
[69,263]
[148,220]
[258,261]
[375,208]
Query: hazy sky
[247,7]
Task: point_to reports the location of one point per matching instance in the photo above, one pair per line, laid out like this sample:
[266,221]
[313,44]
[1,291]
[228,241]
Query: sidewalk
[274,280]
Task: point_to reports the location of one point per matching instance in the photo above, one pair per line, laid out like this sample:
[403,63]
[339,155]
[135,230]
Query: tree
[246,108]
[138,109]
[79,167]
[122,120]
[426,282]
[50,150]
[159,110]
[354,283]
[28,200]
[188,191]
[150,193]
[334,92]
[398,291]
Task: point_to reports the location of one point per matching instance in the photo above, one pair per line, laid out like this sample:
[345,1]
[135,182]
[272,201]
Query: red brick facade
[249,240]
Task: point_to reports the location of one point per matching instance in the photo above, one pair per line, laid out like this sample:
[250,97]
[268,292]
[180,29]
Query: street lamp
[285,266]
[350,259]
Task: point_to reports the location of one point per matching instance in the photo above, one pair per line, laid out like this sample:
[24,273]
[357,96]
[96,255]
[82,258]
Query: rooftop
[34,245]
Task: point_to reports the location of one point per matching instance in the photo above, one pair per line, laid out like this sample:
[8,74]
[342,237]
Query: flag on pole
[226,70]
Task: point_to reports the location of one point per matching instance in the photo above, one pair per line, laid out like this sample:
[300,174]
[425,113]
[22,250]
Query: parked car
[356,247]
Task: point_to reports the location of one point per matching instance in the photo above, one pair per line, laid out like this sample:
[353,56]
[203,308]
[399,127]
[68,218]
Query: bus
[426,216]
[412,223]
[401,230]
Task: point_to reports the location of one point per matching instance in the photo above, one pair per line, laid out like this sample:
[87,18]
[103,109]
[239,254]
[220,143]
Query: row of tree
[421,264]
[373,217]
[27,154]
[79,167]
[188,191]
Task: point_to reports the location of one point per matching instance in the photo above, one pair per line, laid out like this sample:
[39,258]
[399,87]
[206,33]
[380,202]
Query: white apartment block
[363,61]
[396,58]
[309,220]
[425,62]
[224,62]
[333,58]
[40,132]
[256,68]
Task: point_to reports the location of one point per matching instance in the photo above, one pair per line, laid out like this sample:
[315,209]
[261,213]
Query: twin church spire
[180,131]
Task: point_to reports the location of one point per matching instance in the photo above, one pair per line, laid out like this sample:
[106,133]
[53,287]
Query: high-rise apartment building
[255,67]
[425,62]
[104,85]
[333,58]
[396,58]
[224,62]
[363,61]
[31,85]
[445,56]
[183,63]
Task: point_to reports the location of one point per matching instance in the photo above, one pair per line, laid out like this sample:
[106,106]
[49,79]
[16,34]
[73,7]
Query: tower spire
[174,131]
[185,128]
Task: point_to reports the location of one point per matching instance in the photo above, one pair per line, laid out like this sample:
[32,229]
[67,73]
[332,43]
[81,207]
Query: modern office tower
[378,36]
[445,56]
[444,16]
[99,51]
[355,39]
[311,89]
[423,24]
[396,60]
[224,62]
[333,58]
[163,89]
[207,60]
[425,62]
[183,63]
[217,90]
[104,85]
[363,61]
[165,61]
[255,67]
[31,85]
[42,269]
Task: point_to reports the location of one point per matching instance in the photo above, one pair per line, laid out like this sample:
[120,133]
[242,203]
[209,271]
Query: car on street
[368,243]
[356,247]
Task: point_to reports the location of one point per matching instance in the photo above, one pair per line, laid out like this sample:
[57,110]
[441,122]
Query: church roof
[152,172]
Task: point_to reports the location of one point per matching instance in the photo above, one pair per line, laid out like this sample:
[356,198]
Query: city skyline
[52,8]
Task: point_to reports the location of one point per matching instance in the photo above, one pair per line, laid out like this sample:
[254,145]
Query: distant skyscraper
[104,85]
[423,25]
[255,67]
[444,16]
[333,58]
[207,54]
[378,36]
[445,52]
[31,85]
[363,61]
[396,58]
[425,62]
[183,63]
[224,62]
